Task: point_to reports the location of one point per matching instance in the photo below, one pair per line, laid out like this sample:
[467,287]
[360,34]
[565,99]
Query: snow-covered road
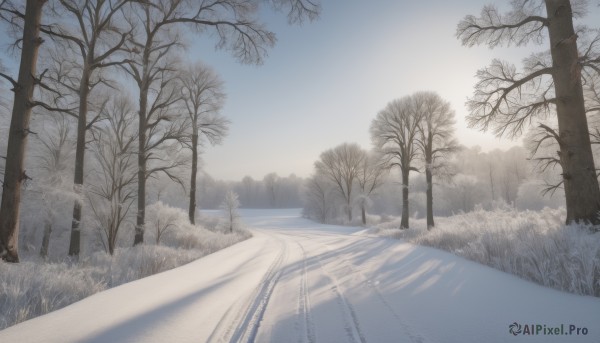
[297,281]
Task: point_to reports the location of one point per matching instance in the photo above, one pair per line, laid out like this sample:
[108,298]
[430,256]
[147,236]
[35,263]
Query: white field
[298,281]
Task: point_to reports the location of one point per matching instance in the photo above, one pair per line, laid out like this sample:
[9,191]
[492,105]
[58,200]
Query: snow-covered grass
[35,287]
[534,245]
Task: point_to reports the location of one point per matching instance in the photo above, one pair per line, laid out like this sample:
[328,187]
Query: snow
[298,281]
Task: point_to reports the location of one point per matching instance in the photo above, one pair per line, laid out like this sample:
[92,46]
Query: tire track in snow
[241,322]
[349,318]
[414,337]
[304,310]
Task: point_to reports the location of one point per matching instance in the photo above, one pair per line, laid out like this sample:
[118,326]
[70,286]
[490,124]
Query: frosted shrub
[32,288]
[28,289]
[534,245]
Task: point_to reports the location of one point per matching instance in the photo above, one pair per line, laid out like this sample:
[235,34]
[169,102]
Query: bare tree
[92,31]
[248,191]
[160,135]
[230,206]
[271,183]
[298,10]
[508,100]
[202,93]
[370,177]
[234,23]
[55,152]
[318,202]
[23,87]
[113,193]
[394,132]
[341,165]
[237,29]
[435,139]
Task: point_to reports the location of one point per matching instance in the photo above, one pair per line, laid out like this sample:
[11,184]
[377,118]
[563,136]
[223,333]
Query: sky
[324,82]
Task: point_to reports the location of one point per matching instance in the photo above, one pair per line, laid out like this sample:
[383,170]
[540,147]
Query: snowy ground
[298,281]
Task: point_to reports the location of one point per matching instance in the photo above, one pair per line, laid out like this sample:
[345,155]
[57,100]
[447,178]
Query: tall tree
[237,29]
[93,33]
[318,203]
[113,147]
[53,186]
[370,178]
[394,132]
[508,100]
[23,87]
[341,165]
[435,139]
[203,95]
[230,206]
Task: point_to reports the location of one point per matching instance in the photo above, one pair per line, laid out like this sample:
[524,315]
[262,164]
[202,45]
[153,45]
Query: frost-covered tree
[249,191]
[271,186]
[92,31]
[230,206]
[113,191]
[203,96]
[163,218]
[394,132]
[435,139]
[23,87]
[550,83]
[319,202]
[371,176]
[55,149]
[235,25]
[341,165]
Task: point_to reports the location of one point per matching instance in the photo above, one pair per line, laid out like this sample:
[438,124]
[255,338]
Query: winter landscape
[299,171]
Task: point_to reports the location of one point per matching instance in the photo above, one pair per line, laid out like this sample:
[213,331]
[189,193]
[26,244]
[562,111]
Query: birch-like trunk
[14,175]
[192,208]
[577,161]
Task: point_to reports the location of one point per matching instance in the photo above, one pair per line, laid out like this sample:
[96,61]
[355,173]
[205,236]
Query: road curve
[297,281]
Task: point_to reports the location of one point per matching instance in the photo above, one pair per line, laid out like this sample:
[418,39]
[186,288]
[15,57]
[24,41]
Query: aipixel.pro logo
[516,329]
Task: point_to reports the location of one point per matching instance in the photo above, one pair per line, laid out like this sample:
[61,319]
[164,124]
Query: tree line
[91,52]
[551,100]
[416,131]
[271,191]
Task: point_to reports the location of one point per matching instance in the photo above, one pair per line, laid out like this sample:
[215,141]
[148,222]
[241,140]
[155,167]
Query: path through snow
[297,281]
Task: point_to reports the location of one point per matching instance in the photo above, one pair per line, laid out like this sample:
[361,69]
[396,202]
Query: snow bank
[33,288]
[534,245]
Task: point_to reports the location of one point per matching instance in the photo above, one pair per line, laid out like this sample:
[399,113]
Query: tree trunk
[112,233]
[141,210]
[349,210]
[14,175]
[577,161]
[364,214]
[141,201]
[404,221]
[192,209]
[492,183]
[111,246]
[46,239]
[429,179]
[84,89]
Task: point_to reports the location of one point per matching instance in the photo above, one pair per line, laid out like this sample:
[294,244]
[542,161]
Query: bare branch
[519,26]
[507,100]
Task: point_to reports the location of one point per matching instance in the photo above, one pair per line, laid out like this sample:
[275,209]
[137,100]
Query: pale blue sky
[325,81]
